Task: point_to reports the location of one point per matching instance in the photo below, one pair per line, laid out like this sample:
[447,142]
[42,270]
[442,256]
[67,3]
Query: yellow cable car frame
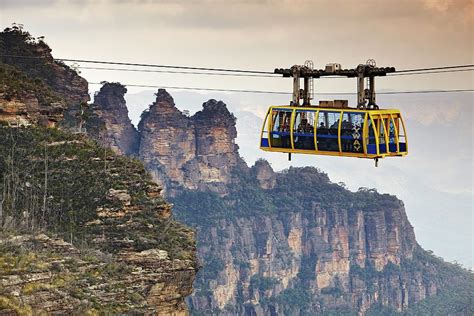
[380,134]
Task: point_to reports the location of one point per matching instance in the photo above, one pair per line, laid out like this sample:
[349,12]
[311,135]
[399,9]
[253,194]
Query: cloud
[6,4]
[439,5]
[462,8]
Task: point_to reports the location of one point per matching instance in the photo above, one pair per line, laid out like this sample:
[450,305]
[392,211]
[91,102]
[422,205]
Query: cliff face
[216,151]
[57,277]
[264,174]
[38,65]
[168,143]
[118,133]
[24,101]
[306,251]
[195,152]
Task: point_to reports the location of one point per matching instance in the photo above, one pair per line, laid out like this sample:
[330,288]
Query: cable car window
[371,144]
[381,130]
[380,123]
[264,140]
[352,127]
[327,131]
[392,144]
[303,130]
[401,134]
[280,135]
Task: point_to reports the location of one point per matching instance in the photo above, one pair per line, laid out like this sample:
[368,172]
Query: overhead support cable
[428,72]
[199,89]
[146,65]
[219,70]
[435,68]
[285,93]
[181,72]
[255,75]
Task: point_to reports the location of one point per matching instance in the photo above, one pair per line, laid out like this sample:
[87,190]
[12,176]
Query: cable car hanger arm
[365,96]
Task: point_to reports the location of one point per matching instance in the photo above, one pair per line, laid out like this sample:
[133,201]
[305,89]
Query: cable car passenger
[323,141]
[305,139]
[346,135]
[333,138]
[285,131]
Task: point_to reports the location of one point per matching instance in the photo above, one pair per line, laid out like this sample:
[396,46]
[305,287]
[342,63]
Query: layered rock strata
[271,243]
[31,79]
[216,151]
[168,143]
[196,152]
[304,245]
[58,278]
[24,109]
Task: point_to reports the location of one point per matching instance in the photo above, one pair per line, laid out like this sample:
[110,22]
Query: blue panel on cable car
[403,147]
[371,149]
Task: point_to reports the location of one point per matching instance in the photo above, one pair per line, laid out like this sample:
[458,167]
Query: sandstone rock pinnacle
[118,133]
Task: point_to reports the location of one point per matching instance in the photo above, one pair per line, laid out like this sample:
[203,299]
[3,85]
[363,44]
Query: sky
[435,180]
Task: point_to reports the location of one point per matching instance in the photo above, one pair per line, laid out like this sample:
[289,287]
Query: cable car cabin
[332,128]
[334,131]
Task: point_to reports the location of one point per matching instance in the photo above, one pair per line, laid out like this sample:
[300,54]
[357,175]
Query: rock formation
[24,109]
[195,152]
[288,243]
[40,65]
[118,132]
[168,143]
[57,277]
[35,88]
[24,101]
[216,151]
[264,173]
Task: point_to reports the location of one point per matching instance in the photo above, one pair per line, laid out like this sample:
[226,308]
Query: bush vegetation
[15,83]
[297,190]
[55,182]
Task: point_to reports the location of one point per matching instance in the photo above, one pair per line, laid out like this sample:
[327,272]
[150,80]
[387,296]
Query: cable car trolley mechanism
[332,127]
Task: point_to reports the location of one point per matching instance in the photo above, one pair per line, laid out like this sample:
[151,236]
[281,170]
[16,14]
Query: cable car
[332,128]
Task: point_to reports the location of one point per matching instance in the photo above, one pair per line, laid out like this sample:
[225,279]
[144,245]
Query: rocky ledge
[44,274]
